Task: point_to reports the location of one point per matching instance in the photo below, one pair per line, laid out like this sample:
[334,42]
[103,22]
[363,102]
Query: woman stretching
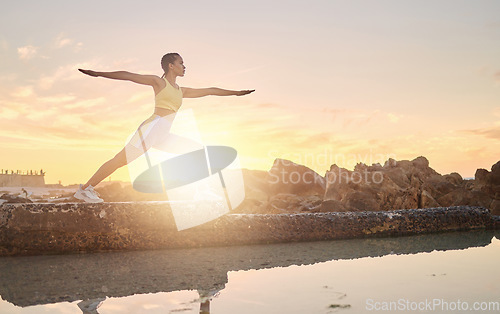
[168,99]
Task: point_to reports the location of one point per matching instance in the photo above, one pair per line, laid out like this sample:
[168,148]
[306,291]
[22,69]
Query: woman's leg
[111,165]
[126,155]
[149,132]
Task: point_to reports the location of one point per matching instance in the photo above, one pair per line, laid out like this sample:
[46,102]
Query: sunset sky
[336,81]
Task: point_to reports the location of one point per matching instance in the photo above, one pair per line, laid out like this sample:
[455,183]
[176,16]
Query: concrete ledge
[30,229]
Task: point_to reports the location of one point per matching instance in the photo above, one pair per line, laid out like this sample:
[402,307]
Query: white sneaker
[88,195]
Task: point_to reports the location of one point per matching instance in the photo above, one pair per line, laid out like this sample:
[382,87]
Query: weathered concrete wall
[27,229]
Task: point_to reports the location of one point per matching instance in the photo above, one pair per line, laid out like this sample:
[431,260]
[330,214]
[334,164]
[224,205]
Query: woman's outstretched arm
[151,80]
[188,92]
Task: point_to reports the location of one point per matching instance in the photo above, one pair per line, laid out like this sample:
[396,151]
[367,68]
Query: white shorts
[155,132]
[151,132]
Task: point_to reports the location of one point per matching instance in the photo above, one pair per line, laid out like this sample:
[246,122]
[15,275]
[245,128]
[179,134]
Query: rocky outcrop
[288,177]
[286,188]
[256,197]
[407,185]
[9,198]
[403,184]
[487,186]
[396,185]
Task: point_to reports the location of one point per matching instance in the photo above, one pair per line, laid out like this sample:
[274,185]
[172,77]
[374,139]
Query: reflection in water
[90,306]
[94,277]
[205,297]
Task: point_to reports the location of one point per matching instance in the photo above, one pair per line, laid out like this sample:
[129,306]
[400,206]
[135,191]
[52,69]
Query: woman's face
[178,67]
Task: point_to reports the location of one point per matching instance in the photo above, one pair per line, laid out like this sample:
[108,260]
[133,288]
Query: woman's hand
[244,92]
[89,72]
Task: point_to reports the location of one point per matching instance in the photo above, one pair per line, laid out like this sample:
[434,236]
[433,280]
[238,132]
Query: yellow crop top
[169,97]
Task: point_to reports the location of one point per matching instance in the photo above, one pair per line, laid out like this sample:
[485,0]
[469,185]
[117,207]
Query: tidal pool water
[438,273]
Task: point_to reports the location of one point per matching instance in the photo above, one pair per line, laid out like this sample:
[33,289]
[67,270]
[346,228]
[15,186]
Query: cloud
[9,114]
[496,112]
[57,99]
[84,104]
[4,45]
[393,117]
[62,41]
[29,114]
[22,92]
[140,97]
[67,72]
[491,132]
[56,111]
[27,52]
[124,63]
[242,71]
[50,128]
[496,76]
[270,106]
[355,118]
[10,110]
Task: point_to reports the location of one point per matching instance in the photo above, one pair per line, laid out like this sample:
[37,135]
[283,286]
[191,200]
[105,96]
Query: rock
[361,201]
[454,178]
[427,201]
[256,186]
[311,204]
[495,207]
[398,176]
[465,197]
[253,206]
[291,203]
[452,197]
[480,198]
[365,188]
[406,184]
[337,183]
[409,199]
[421,163]
[488,182]
[495,169]
[495,176]
[118,192]
[332,206]
[422,168]
[481,177]
[288,177]
[9,198]
[440,185]
[390,163]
